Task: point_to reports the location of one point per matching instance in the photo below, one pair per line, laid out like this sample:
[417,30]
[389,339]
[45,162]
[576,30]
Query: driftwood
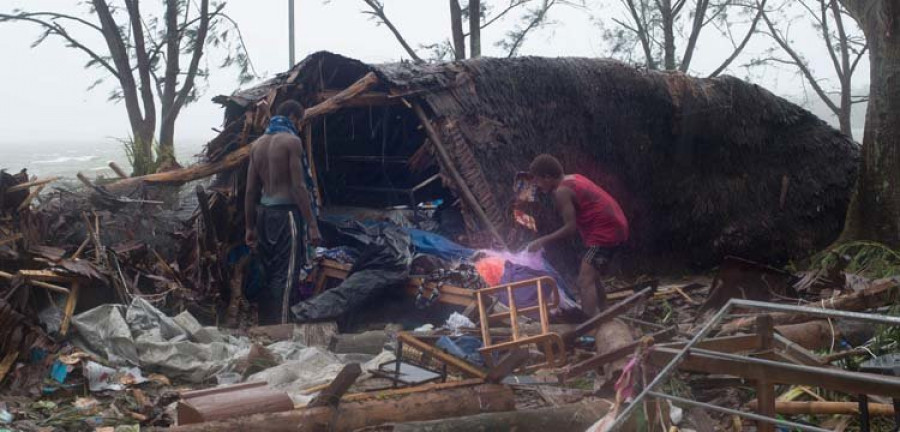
[349,416]
[237,157]
[578,416]
[882,293]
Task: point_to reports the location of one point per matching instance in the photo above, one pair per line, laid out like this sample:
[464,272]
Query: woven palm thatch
[702,167]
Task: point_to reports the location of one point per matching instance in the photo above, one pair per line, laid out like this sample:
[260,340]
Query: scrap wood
[881,293]
[512,361]
[608,314]
[25,186]
[827,408]
[383,394]
[439,354]
[332,394]
[7,363]
[24,205]
[37,283]
[597,361]
[12,238]
[353,415]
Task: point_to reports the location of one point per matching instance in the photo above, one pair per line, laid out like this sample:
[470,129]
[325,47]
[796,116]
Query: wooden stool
[548,340]
[329,269]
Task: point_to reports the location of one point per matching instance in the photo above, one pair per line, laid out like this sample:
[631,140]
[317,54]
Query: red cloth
[599,217]
[491,269]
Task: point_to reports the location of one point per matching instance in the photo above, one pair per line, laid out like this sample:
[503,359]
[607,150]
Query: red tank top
[598,216]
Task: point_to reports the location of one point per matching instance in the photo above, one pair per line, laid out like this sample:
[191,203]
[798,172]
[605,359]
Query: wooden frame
[554,348]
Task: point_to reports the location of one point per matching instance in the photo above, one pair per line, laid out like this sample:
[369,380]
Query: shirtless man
[278,207]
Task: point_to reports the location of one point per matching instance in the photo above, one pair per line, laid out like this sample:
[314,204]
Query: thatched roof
[702,167]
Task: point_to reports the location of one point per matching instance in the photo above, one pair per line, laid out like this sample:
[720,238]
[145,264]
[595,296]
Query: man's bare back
[276,172]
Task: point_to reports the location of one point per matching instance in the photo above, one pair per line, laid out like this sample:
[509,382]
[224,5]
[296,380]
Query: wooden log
[349,416]
[827,408]
[882,293]
[25,186]
[573,417]
[332,394]
[463,188]
[237,157]
[813,335]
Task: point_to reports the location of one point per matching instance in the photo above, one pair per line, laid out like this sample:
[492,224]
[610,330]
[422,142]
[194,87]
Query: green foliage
[865,258]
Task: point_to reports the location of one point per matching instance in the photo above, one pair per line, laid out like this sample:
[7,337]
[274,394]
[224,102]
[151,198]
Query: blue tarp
[433,244]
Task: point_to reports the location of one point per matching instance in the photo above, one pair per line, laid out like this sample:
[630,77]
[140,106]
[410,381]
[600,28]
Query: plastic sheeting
[140,335]
[383,264]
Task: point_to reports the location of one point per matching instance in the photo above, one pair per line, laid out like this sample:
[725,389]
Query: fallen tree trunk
[235,158]
[349,416]
[827,408]
[578,416]
[883,293]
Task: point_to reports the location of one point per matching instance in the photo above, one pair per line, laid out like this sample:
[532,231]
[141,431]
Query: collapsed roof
[702,167]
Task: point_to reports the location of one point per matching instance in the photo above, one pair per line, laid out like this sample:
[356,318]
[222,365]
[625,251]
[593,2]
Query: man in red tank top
[589,210]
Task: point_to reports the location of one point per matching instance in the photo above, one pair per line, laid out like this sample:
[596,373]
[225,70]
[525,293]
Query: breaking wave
[66,159]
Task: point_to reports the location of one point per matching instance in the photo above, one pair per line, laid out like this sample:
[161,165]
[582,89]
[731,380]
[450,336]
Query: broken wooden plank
[69,310]
[350,416]
[608,314]
[452,361]
[595,362]
[332,394]
[507,365]
[6,364]
[25,186]
[39,284]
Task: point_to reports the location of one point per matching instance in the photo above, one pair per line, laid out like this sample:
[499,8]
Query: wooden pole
[574,417]
[463,188]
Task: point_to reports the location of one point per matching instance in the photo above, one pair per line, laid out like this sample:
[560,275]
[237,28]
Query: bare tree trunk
[456,27]
[668,22]
[878,193]
[475,28]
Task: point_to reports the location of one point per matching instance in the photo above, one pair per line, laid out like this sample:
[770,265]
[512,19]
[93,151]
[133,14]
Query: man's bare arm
[251,198]
[298,186]
[564,199]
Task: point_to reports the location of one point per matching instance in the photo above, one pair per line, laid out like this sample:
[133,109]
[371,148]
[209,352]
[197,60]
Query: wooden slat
[451,360]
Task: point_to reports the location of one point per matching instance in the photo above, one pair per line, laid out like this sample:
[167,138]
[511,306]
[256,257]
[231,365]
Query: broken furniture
[437,353]
[329,269]
[552,343]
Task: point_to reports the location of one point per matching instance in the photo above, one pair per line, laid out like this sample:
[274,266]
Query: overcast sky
[44,90]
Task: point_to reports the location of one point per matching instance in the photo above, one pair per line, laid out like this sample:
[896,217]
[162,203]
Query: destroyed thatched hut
[703,167]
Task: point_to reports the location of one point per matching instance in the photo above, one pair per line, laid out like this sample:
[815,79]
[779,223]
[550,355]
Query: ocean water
[65,159]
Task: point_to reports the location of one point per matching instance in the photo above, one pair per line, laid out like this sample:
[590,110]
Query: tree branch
[642,34]
[699,16]
[378,11]
[859,57]
[743,44]
[826,34]
[120,58]
[512,5]
[143,60]
[801,64]
[199,43]
[538,16]
[60,31]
